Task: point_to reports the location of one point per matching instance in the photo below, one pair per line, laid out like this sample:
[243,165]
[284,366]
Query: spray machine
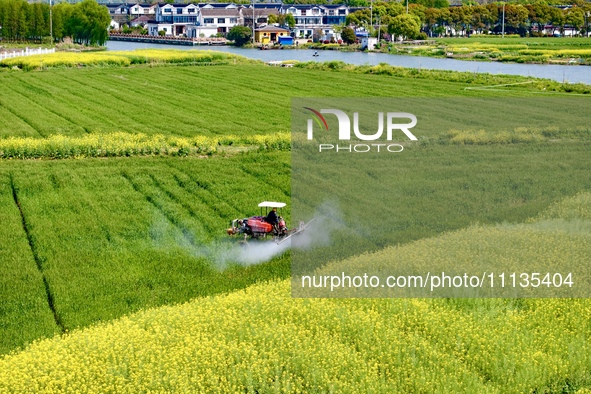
[259,227]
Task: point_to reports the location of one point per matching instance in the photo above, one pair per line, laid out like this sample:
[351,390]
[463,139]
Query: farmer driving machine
[267,225]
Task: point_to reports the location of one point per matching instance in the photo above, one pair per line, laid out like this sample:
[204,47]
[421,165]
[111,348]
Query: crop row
[460,184]
[126,144]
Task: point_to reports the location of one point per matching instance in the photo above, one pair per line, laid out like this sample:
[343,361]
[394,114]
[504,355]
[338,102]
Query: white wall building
[222,20]
[174,19]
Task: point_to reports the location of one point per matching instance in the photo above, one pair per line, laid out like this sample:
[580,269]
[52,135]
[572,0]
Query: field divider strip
[38,262]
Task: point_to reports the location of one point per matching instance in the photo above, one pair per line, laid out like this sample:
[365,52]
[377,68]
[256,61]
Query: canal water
[560,73]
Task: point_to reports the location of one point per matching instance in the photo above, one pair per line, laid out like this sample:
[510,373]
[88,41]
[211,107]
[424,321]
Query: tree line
[85,22]
[519,19]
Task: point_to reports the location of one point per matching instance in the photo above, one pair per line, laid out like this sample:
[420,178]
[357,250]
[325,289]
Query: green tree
[356,3]
[61,13]
[516,16]
[432,3]
[418,10]
[89,22]
[358,18]
[240,35]
[461,17]
[290,20]
[38,25]
[575,17]
[22,26]
[432,16]
[285,20]
[3,18]
[405,25]
[556,18]
[538,16]
[348,35]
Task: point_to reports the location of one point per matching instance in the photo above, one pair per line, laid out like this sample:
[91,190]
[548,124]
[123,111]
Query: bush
[348,35]
[161,33]
[240,35]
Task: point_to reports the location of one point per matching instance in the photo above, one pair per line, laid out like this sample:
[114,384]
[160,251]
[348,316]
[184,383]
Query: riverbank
[157,58]
[530,50]
[168,40]
[557,73]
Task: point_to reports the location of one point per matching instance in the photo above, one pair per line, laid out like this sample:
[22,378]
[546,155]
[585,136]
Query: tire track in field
[31,125]
[47,108]
[187,235]
[36,257]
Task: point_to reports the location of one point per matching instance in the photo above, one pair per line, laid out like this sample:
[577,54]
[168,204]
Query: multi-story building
[174,19]
[316,21]
[221,20]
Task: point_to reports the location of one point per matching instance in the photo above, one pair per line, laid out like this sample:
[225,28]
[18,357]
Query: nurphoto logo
[393,124]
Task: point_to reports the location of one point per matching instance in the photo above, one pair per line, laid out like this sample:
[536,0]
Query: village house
[260,13]
[316,21]
[119,15]
[137,10]
[220,20]
[173,19]
[270,34]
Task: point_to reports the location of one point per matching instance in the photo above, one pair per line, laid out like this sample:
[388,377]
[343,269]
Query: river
[560,73]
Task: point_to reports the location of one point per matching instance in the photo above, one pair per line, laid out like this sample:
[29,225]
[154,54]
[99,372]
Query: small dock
[168,40]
